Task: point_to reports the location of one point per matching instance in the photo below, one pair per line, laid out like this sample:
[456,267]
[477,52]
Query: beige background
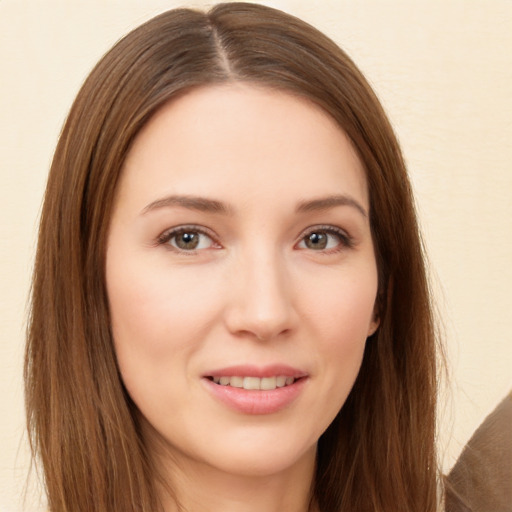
[443,70]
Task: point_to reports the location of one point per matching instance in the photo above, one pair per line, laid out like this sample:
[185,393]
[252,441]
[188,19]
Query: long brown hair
[378,454]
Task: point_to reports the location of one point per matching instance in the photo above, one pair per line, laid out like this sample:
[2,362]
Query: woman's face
[241,277]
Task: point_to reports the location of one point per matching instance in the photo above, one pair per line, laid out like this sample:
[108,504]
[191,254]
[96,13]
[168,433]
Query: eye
[325,239]
[187,239]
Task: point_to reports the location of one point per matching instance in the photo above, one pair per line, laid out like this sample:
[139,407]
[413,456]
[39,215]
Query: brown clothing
[481,480]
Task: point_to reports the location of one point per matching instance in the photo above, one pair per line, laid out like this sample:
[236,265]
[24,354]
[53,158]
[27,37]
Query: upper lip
[244,370]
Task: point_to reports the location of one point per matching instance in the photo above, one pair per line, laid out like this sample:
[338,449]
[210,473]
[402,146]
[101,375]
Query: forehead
[238,140]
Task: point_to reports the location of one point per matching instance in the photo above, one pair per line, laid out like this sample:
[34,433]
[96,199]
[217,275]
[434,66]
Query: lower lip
[256,401]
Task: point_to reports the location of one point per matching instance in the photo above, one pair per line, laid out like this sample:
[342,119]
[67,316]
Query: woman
[230,308]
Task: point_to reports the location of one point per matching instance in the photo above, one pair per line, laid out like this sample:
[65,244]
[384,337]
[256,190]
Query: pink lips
[256,401]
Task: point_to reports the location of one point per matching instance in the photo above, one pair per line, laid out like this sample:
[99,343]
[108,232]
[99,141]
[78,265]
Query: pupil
[187,241]
[316,241]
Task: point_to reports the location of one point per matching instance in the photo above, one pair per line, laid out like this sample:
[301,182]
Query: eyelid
[169,233]
[346,240]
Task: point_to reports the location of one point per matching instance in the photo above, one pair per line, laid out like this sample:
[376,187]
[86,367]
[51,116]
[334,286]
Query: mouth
[256,390]
[254,383]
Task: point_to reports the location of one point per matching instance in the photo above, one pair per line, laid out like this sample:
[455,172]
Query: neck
[197,487]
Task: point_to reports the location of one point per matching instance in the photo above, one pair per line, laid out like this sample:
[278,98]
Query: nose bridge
[261,303]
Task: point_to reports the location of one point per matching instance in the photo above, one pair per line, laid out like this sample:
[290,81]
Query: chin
[261,459]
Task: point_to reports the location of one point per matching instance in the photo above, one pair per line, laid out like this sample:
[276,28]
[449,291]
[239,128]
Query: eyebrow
[326,203]
[201,204]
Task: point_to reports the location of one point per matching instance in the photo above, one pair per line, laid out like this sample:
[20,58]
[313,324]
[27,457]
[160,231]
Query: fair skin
[240,247]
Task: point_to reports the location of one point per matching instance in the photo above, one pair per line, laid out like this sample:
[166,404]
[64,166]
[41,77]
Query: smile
[249,383]
[256,390]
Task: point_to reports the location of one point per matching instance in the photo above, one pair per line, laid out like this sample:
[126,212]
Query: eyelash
[168,235]
[345,240]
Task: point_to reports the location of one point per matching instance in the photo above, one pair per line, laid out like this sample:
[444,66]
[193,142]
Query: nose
[261,302]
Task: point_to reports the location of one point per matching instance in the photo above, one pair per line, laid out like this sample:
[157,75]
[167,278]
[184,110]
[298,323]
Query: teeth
[236,382]
[265,383]
[280,381]
[252,383]
[268,383]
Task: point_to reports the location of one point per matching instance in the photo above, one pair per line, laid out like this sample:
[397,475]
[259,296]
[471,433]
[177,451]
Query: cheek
[158,310]
[341,306]
[158,322]
[341,316]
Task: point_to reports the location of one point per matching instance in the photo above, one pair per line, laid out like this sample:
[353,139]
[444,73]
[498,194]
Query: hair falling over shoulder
[379,453]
